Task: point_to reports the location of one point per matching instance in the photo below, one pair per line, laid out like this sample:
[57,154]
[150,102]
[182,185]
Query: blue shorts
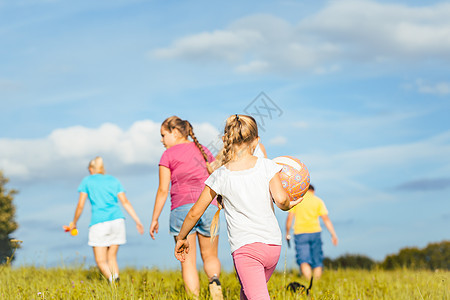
[203,225]
[308,247]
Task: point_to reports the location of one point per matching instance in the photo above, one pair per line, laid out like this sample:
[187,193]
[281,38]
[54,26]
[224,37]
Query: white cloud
[370,29]
[221,44]
[440,88]
[278,140]
[66,151]
[343,31]
[256,66]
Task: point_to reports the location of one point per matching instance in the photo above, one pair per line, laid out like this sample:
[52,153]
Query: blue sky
[361,90]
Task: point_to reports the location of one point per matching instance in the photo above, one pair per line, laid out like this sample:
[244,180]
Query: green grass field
[79,283]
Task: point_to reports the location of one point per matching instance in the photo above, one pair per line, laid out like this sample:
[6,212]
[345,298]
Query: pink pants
[254,265]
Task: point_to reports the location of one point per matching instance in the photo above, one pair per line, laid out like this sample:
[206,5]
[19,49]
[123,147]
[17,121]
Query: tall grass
[80,283]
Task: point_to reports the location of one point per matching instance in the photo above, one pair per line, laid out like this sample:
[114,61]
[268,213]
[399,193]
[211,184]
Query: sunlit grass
[81,283]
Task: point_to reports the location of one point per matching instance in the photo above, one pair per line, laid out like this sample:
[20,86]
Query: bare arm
[78,210]
[194,214]
[280,196]
[161,197]
[326,220]
[289,219]
[130,210]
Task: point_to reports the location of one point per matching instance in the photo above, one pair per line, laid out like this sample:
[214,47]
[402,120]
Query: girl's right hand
[154,228]
[72,225]
[181,249]
[295,202]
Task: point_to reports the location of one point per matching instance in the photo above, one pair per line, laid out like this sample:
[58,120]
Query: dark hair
[311,187]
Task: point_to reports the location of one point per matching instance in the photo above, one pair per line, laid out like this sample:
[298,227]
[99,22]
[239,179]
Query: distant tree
[412,258]
[328,263]
[7,219]
[434,256]
[350,261]
[437,255]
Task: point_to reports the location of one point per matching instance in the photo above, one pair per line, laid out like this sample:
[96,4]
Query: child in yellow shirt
[307,233]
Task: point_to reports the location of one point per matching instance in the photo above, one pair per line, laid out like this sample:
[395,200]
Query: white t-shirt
[247,203]
[258,152]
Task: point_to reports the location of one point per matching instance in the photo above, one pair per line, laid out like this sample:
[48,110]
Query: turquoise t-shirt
[102,191]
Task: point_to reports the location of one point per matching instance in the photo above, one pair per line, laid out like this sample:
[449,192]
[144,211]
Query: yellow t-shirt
[307,214]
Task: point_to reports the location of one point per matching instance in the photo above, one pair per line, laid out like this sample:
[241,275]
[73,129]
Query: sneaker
[215,289]
[114,282]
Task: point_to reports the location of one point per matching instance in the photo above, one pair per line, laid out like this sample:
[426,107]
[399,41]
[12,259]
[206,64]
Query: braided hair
[185,128]
[239,130]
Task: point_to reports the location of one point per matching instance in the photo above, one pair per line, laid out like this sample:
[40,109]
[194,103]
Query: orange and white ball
[294,176]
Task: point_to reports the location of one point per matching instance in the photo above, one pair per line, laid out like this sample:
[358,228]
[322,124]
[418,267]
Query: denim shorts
[203,225]
[308,247]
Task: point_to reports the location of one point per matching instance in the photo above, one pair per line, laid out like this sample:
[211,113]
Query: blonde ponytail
[97,165]
[239,129]
[214,230]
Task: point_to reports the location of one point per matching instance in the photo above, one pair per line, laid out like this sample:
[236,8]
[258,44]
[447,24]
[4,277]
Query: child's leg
[304,254]
[101,258]
[272,261]
[208,250]
[112,260]
[317,272]
[211,264]
[189,268]
[306,270]
[254,265]
[316,254]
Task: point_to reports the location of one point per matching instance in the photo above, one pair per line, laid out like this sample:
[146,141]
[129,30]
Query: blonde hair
[239,130]
[97,165]
[185,129]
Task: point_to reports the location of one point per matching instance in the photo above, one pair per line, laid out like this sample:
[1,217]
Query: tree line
[435,256]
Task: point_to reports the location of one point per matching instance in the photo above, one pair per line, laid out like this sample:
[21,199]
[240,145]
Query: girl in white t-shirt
[247,185]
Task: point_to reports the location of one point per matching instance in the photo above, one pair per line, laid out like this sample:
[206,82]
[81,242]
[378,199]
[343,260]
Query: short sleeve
[213,181]
[271,168]
[120,188]
[82,188]
[322,208]
[258,152]
[165,160]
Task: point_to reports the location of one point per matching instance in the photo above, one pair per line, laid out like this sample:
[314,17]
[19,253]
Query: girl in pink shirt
[185,166]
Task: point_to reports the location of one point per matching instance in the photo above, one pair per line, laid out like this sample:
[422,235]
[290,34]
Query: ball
[294,176]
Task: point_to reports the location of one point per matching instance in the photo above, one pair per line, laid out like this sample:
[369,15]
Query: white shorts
[107,233]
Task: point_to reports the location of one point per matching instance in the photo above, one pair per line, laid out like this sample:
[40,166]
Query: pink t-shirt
[187,172]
